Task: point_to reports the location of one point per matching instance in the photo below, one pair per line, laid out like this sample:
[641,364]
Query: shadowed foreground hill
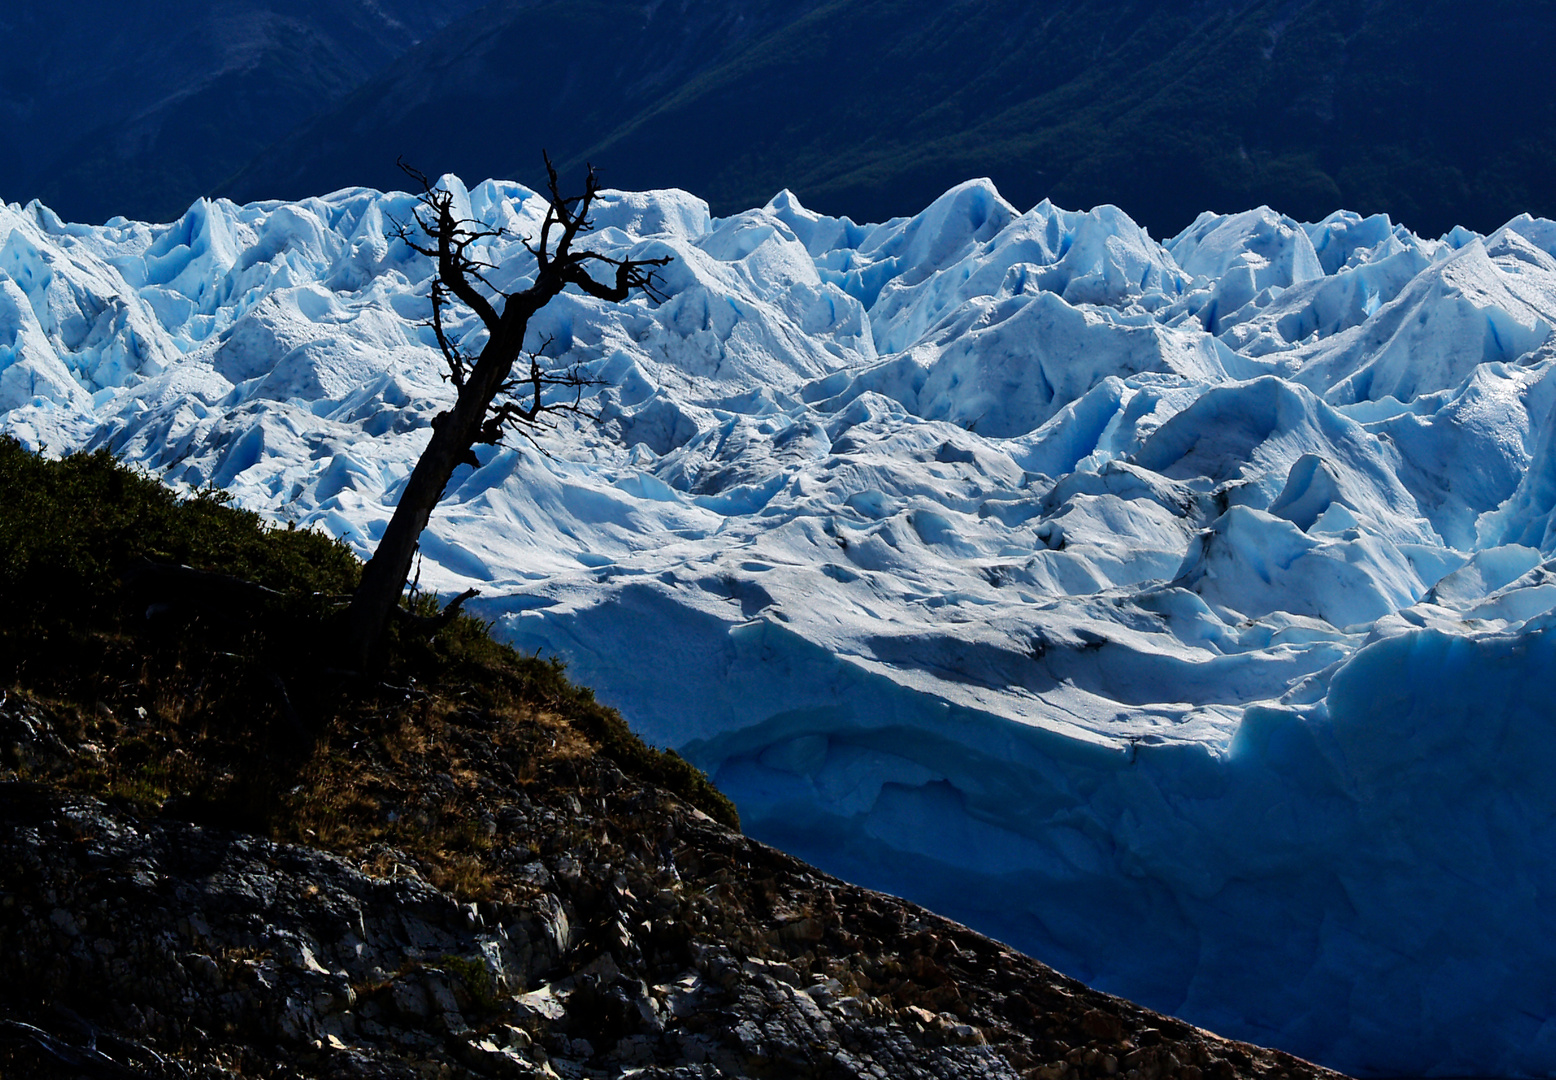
[218,857]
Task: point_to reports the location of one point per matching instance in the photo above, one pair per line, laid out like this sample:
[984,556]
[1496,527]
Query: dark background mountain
[139,108]
[1435,111]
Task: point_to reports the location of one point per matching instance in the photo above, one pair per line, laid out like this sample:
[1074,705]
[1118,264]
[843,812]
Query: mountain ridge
[870,108]
[1435,114]
[107,110]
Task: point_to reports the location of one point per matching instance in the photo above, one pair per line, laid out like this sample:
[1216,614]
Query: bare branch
[454,237]
[630,274]
[458,362]
[493,400]
[414,173]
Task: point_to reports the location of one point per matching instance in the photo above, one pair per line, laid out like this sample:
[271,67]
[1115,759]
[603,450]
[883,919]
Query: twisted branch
[450,240]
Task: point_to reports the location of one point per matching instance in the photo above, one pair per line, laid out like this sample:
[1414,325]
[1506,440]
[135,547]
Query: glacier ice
[1179,612]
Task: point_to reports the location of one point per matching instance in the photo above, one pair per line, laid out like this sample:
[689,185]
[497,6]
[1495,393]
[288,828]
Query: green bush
[73,529]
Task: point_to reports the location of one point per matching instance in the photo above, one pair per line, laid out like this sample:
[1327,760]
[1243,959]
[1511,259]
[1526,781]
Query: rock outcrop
[608,929]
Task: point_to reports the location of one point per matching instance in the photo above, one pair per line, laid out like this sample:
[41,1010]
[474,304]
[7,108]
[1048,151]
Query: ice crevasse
[1178,612]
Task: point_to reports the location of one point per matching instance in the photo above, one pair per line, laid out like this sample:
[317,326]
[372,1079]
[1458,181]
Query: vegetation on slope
[524,889]
[209,693]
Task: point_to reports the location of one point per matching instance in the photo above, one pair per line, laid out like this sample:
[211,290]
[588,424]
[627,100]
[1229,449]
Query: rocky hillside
[219,857]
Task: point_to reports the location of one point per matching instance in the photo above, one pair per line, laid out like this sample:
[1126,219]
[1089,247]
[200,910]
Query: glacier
[1177,612]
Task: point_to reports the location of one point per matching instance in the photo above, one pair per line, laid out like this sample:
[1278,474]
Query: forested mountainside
[138,109]
[1437,113]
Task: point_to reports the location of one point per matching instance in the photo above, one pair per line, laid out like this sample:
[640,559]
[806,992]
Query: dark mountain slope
[136,109]
[486,95]
[1437,112]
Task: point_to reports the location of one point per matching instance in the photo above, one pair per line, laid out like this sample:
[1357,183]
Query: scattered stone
[621,934]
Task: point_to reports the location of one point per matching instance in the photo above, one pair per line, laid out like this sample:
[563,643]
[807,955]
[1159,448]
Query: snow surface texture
[1179,613]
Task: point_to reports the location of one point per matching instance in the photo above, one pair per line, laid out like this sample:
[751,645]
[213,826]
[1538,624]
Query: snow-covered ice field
[1176,612]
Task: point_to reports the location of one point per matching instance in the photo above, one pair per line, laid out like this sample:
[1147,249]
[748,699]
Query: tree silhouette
[492,399]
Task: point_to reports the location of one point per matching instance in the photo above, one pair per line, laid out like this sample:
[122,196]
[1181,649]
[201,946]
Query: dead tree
[492,399]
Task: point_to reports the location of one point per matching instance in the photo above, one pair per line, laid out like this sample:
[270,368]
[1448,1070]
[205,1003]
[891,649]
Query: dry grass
[232,716]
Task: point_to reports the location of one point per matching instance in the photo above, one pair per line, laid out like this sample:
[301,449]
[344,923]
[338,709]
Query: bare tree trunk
[477,416]
[454,433]
[384,576]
